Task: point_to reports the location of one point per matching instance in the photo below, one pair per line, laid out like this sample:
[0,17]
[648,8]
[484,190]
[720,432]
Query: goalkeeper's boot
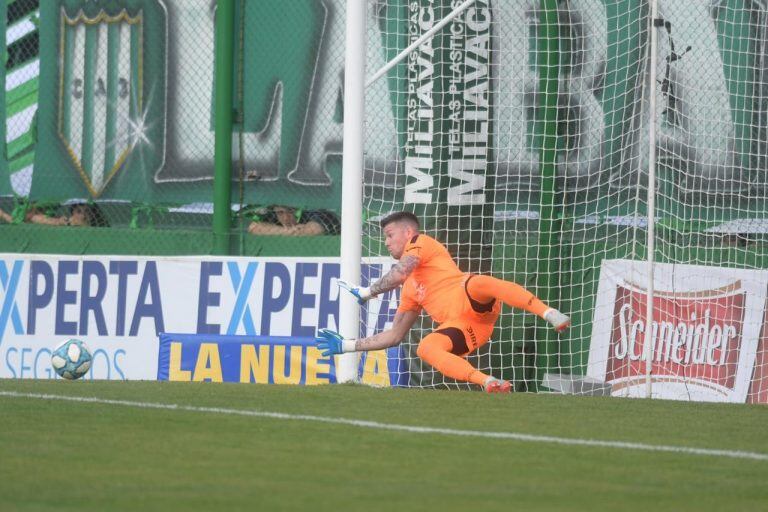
[494,385]
[559,321]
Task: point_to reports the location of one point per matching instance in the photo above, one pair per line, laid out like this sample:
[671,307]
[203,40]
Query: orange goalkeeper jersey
[436,284]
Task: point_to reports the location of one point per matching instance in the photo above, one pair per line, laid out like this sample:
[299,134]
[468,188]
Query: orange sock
[484,289]
[435,349]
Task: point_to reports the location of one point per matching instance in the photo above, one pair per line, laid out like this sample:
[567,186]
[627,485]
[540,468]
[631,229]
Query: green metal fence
[110,117]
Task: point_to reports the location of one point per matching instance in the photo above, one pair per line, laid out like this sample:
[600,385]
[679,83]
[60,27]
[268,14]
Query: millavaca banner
[707,331]
[120,305]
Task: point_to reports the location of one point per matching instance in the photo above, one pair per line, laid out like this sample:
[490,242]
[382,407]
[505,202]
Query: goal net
[521,134]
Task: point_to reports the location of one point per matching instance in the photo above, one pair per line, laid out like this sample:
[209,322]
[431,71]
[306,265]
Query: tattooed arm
[331,343]
[400,325]
[396,275]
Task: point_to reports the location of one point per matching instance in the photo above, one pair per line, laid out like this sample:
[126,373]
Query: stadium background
[544,224]
[564,190]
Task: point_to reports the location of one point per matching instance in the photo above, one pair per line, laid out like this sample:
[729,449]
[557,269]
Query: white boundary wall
[117,305]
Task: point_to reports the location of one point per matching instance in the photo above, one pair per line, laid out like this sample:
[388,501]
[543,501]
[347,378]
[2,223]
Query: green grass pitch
[65,455]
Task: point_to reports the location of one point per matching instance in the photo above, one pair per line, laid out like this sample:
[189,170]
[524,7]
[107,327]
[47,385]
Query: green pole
[547,64]
[5,175]
[223,76]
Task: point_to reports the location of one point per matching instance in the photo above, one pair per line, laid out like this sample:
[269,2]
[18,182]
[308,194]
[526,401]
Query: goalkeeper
[465,306]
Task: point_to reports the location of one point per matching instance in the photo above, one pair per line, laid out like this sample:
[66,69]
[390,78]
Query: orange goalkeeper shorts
[473,324]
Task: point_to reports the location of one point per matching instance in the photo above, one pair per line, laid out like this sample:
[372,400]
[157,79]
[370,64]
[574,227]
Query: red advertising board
[707,333]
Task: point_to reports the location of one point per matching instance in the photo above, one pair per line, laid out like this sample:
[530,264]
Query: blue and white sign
[118,305]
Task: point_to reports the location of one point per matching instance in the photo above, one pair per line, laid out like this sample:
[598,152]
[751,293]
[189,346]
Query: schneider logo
[695,337]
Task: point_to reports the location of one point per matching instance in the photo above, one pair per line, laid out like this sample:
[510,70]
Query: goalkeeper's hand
[331,343]
[361,293]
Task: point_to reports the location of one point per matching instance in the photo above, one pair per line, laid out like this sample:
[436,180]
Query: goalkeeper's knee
[431,347]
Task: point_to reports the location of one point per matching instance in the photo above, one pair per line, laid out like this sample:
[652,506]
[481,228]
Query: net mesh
[462,133]
[519,134]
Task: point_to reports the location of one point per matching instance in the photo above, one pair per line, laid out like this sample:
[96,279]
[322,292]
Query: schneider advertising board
[120,305]
[708,332]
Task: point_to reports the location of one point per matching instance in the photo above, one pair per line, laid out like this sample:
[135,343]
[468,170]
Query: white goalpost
[352,163]
[352,179]
[653,51]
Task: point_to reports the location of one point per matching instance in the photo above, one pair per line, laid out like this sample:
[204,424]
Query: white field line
[514,436]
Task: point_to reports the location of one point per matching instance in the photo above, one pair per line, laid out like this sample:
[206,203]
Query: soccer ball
[71,359]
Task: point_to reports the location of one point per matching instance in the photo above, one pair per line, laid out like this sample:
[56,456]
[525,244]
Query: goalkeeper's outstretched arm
[331,343]
[401,324]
